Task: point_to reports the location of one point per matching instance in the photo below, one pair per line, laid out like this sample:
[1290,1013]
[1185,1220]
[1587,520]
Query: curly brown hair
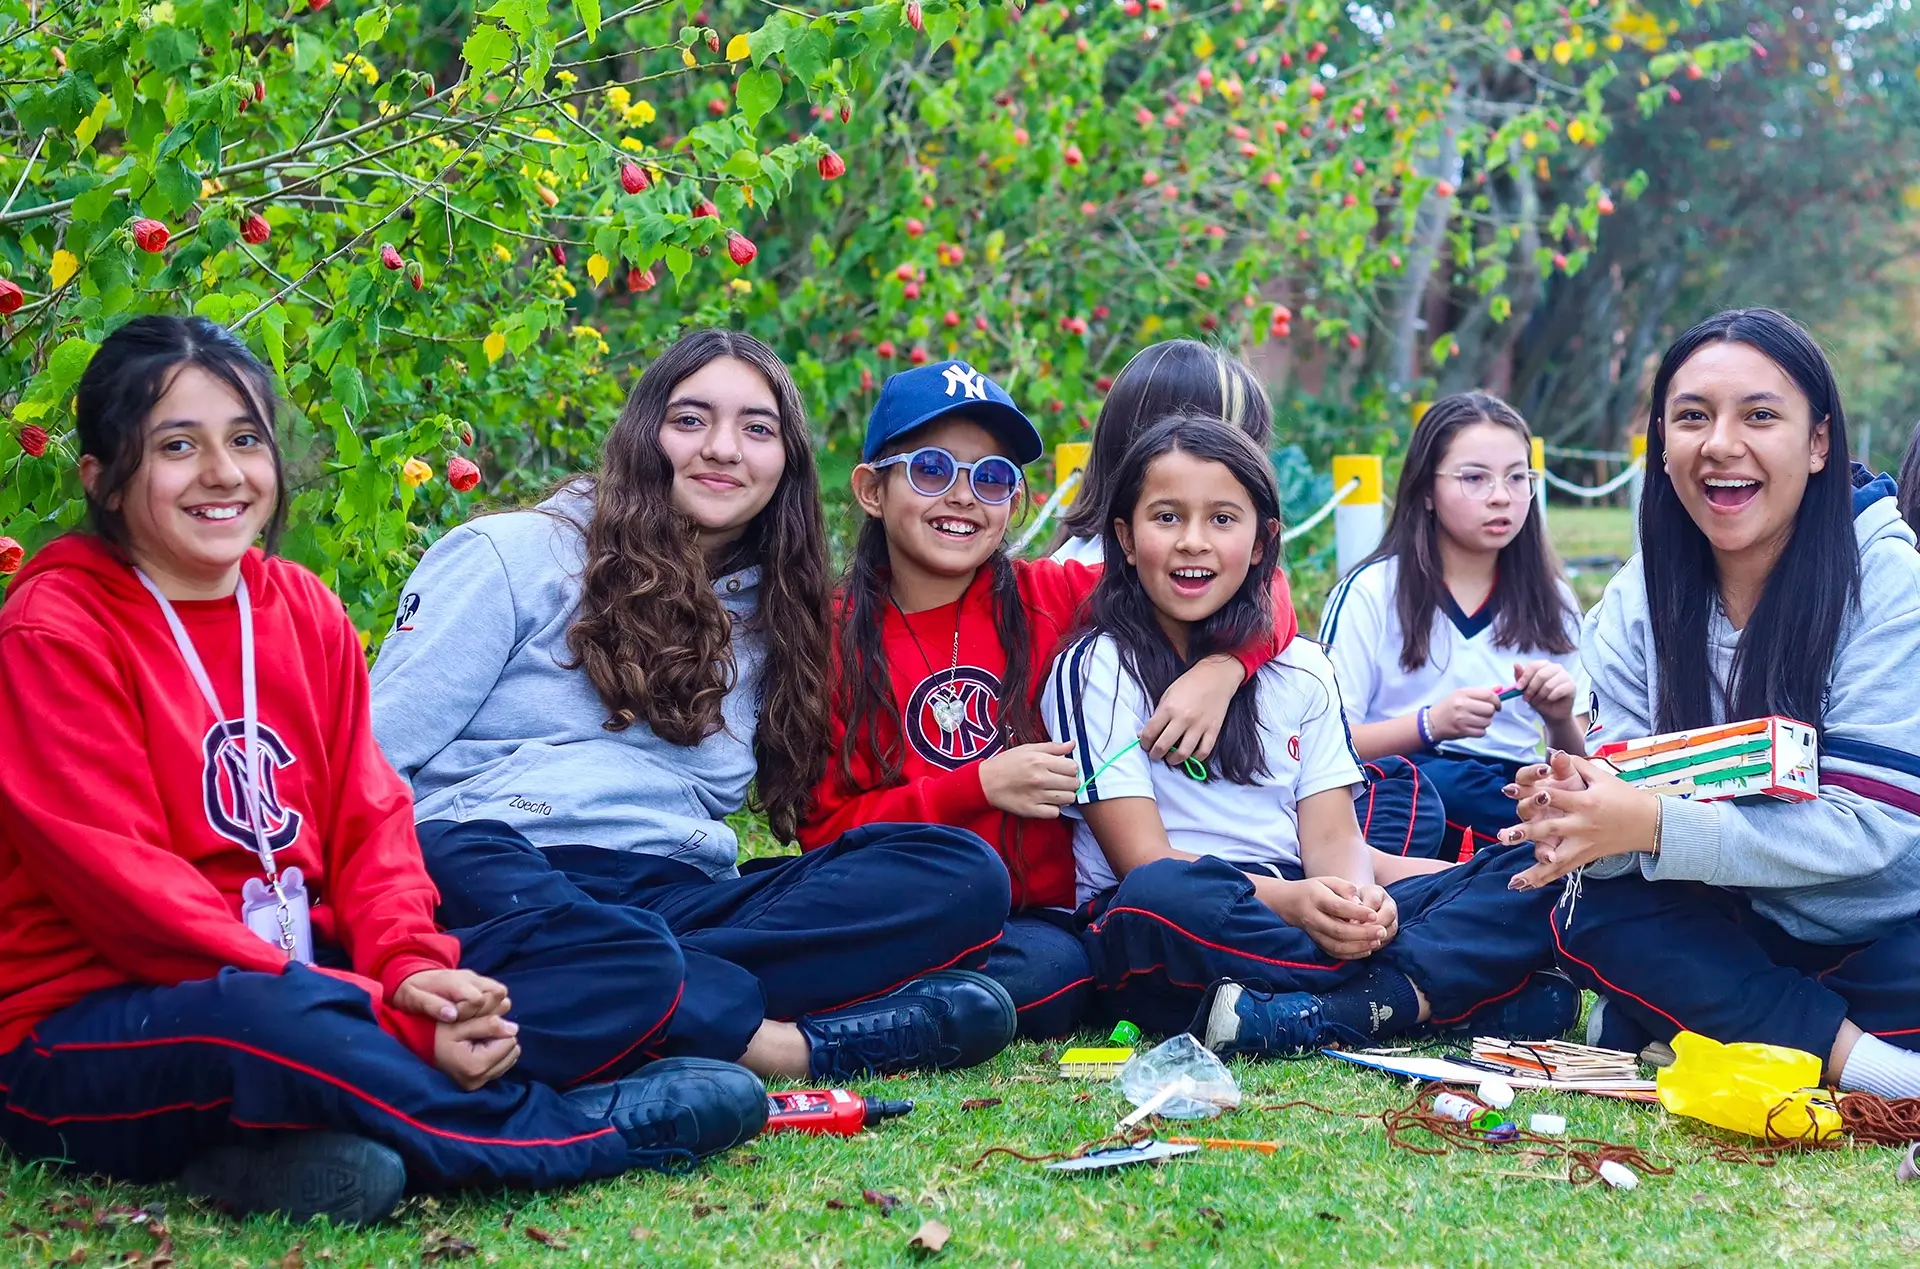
[651,634]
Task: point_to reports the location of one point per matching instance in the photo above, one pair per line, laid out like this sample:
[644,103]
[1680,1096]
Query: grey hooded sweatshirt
[474,705]
[1844,868]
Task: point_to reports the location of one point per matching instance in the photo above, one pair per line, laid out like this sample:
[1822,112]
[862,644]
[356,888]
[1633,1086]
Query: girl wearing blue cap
[582,693]
[942,640]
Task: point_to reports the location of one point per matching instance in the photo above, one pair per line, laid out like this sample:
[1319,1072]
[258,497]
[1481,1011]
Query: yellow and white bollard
[1539,463]
[1636,453]
[1069,460]
[1360,518]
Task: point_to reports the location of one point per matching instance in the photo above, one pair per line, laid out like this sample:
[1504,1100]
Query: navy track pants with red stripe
[1679,955]
[1043,965]
[1400,810]
[1173,927]
[132,1082]
[1470,789]
[856,918]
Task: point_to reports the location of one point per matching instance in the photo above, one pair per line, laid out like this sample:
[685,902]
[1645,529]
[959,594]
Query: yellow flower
[1576,132]
[618,97]
[1529,139]
[495,346]
[633,143]
[1203,46]
[597,268]
[544,134]
[368,72]
[573,111]
[500,249]
[1563,51]
[741,286]
[642,112]
[1613,42]
[588,332]
[366,639]
[65,265]
[1446,22]
[415,473]
[737,50]
[687,58]
[338,68]
[566,287]
[567,78]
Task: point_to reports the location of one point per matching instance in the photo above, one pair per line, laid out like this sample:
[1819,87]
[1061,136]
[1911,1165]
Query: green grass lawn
[1335,1194]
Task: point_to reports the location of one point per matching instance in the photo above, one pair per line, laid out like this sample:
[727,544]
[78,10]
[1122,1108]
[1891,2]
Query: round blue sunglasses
[932,471]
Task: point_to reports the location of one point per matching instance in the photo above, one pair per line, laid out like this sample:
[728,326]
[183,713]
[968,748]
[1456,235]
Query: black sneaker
[1611,1028]
[943,1020]
[301,1175]
[1545,1009]
[1244,1021]
[679,1110]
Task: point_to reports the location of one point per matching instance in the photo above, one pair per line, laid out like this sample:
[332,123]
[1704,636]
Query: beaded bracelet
[1420,722]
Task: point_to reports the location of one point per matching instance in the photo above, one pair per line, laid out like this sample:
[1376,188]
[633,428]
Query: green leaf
[171,50]
[371,25]
[772,38]
[759,93]
[64,368]
[349,389]
[589,11]
[808,53]
[174,183]
[679,262]
[273,333]
[744,164]
[487,50]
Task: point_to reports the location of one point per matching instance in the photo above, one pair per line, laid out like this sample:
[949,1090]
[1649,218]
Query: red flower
[740,248]
[150,235]
[832,166]
[255,229]
[633,178]
[559,254]
[462,473]
[914,17]
[33,439]
[919,355]
[11,296]
[12,555]
[390,257]
[885,349]
[705,207]
[640,279]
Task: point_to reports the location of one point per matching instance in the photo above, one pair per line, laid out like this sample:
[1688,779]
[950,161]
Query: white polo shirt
[1361,628]
[1092,701]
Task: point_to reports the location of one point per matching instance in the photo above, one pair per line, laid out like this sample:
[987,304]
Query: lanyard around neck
[249,704]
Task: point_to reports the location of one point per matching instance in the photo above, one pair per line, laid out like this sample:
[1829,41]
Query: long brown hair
[1530,611]
[651,634]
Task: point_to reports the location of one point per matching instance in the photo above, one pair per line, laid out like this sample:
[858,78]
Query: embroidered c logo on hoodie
[224,790]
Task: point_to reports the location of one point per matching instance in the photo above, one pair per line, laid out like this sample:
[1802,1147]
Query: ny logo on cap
[965,377]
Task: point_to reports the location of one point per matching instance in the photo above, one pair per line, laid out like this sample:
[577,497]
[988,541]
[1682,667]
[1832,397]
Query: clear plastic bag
[1186,1078]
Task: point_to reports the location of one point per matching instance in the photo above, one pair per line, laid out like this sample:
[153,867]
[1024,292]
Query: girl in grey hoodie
[582,694]
[1768,583]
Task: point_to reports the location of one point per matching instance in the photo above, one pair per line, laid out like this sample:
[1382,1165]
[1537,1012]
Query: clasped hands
[473,1042]
[1575,810]
[1345,920]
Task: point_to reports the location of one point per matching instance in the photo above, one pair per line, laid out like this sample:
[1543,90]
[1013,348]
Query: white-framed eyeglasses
[1478,483]
[932,471]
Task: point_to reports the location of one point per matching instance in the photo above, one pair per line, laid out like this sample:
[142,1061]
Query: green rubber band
[1195,769]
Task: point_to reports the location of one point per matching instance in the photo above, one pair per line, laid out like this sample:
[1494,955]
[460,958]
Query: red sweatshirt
[123,849]
[941,770]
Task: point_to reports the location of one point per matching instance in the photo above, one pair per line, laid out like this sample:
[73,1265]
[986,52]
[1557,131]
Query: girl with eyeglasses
[1457,641]
[941,639]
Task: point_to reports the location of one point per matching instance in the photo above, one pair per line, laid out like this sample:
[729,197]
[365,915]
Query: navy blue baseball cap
[914,398]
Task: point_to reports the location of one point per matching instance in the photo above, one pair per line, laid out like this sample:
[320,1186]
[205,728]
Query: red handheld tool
[828,1110]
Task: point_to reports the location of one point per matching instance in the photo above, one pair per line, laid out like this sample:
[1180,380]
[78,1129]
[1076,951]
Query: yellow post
[1069,457]
[1538,462]
[1637,448]
[1359,518]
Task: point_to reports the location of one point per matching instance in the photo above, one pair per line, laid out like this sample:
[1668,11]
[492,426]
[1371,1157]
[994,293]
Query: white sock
[1875,1066]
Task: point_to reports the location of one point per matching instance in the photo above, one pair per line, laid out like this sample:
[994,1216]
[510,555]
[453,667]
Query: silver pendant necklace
[944,702]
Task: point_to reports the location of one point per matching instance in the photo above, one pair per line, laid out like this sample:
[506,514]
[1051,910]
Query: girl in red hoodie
[942,644]
[218,957]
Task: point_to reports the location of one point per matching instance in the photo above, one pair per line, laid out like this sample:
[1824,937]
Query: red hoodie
[122,849]
[941,772]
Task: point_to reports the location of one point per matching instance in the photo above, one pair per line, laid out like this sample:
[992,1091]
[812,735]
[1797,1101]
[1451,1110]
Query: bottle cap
[1496,1093]
[1548,1125]
[1124,1032]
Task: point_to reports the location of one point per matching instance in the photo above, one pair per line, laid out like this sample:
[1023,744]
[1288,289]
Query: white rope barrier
[1054,502]
[1312,522]
[1595,455]
[1619,482]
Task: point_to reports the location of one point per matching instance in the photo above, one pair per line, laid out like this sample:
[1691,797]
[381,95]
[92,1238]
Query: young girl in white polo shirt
[1457,641]
[1250,874]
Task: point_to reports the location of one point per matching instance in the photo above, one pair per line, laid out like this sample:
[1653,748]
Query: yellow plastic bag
[1761,1090]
